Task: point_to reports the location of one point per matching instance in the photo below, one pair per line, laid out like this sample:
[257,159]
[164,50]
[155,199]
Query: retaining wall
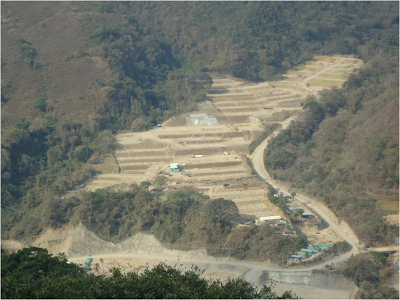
[210,141]
[128,161]
[229,134]
[135,167]
[141,154]
[241,109]
[317,278]
[213,165]
[219,173]
[201,151]
[141,146]
[238,119]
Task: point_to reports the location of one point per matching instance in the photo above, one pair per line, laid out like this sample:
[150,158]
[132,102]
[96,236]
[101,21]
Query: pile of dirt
[78,241]
[201,120]
[11,246]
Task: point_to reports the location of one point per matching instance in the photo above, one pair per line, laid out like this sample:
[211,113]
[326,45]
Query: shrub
[40,104]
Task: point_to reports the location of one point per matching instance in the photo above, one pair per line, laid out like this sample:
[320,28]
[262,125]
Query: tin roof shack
[283,195]
[287,232]
[307,251]
[310,219]
[294,208]
[279,224]
[307,215]
[295,257]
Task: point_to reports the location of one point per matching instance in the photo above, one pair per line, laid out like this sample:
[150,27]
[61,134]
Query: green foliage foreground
[373,274]
[33,273]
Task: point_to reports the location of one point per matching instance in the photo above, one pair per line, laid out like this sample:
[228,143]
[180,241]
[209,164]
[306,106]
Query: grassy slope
[60,36]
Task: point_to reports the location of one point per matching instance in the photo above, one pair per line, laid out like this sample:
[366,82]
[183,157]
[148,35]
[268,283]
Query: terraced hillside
[211,144]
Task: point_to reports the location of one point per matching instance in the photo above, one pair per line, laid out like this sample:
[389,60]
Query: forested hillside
[258,40]
[74,73]
[345,147]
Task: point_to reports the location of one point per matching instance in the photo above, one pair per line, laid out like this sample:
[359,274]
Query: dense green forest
[258,40]
[157,57]
[33,273]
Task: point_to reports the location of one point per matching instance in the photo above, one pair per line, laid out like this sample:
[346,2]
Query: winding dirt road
[339,226]
[304,82]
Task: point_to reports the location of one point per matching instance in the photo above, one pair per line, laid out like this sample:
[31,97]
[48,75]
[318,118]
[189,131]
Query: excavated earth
[219,134]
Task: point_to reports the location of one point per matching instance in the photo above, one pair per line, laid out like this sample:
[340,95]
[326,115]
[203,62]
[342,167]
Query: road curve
[322,210]
[255,268]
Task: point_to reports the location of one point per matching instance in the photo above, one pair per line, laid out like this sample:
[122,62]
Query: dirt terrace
[221,131]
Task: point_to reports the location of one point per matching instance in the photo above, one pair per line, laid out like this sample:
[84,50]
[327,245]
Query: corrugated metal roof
[306,213]
[294,207]
[306,250]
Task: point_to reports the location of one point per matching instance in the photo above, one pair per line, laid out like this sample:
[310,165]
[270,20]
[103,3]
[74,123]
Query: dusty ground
[230,122]
[310,292]
[227,124]
[222,272]
[144,250]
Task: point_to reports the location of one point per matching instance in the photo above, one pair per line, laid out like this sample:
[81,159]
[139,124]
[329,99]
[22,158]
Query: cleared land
[221,131]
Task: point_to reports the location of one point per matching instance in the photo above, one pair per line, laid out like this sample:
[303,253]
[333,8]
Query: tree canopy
[33,273]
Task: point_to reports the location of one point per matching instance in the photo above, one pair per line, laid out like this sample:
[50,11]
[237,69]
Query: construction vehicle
[329,267]
[88,261]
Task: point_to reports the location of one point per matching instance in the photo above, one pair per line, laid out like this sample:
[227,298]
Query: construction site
[209,148]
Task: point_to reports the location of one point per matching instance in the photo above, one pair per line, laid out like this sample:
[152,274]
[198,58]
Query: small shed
[306,214]
[296,257]
[307,251]
[287,232]
[323,245]
[313,250]
[294,208]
